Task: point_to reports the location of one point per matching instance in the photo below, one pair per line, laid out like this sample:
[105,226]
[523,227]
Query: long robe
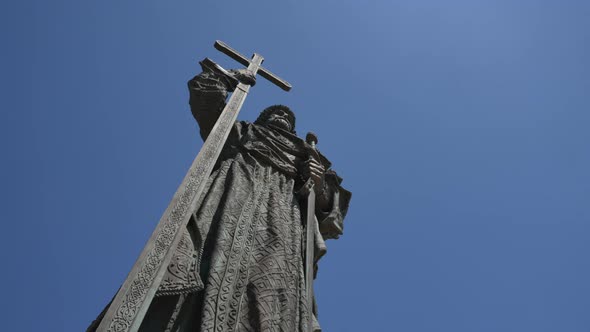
[240,263]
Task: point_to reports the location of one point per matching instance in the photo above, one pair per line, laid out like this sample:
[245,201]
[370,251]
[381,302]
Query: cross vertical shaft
[128,308]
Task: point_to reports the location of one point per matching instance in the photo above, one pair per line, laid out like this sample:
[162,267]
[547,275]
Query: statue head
[279,116]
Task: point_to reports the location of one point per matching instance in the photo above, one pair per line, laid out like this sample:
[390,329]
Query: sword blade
[309,253]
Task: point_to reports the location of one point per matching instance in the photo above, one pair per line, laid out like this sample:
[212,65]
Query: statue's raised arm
[208,92]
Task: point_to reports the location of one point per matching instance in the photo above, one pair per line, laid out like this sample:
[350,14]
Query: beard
[280,123]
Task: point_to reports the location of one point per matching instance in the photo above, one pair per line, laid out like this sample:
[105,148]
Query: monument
[237,248]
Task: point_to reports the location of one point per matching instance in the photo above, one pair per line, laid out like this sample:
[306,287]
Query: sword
[310,221]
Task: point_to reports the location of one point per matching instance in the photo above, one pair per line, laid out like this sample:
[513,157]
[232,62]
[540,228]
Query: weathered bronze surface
[229,253]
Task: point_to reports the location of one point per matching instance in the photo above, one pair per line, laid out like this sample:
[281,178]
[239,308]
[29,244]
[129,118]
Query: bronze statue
[239,264]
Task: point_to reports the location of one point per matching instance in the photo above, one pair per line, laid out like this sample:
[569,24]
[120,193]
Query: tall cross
[129,306]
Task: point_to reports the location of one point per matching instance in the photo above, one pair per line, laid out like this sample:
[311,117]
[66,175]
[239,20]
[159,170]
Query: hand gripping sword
[130,305]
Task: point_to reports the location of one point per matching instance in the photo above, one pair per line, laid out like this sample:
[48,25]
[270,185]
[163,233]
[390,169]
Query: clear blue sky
[461,127]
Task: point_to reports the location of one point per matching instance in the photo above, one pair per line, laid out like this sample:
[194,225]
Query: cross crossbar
[225,49]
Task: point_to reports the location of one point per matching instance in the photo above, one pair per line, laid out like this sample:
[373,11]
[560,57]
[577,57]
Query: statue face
[281,119]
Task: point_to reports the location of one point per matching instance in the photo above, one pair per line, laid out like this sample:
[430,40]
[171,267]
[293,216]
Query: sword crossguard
[225,49]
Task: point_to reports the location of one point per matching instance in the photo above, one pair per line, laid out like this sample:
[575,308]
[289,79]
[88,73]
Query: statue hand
[244,76]
[314,171]
[229,78]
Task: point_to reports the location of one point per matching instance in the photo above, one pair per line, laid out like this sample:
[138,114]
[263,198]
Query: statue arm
[332,200]
[331,206]
[209,90]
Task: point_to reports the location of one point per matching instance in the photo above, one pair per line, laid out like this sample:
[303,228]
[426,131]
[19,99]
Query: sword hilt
[312,139]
